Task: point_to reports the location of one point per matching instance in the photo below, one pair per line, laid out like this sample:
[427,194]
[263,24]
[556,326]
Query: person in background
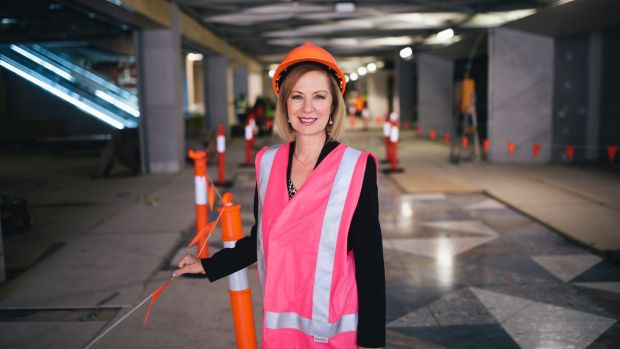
[241,108]
[317,237]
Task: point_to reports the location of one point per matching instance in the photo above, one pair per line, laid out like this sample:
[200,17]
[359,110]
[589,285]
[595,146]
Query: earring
[330,121]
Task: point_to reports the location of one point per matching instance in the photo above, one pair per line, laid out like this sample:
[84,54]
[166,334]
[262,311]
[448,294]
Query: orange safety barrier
[365,118]
[238,287]
[221,157]
[393,145]
[201,186]
[249,142]
[386,137]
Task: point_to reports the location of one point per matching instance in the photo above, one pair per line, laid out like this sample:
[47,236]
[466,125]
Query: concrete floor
[477,255]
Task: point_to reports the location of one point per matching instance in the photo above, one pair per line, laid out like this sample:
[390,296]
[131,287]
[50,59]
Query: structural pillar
[217,81]
[404,81]
[520,95]
[160,88]
[435,93]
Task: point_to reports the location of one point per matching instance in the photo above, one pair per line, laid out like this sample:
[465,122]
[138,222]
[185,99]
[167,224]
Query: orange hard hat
[308,53]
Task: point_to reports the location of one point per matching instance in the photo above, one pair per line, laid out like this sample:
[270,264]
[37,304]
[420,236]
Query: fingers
[188,259]
[193,268]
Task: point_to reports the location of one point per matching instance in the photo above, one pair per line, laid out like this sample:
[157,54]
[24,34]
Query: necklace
[302,163]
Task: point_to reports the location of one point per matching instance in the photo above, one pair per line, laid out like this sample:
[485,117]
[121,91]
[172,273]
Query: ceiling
[366,28]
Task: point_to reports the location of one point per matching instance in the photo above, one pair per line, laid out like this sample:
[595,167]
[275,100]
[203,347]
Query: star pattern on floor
[567,267]
[470,272]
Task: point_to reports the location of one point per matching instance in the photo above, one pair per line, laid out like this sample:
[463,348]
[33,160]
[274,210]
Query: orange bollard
[386,137]
[393,148]
[465,141]
[485,145]
[221,157]
[446,138]
[201,184]
[365,118]
[238,287]
[249,143]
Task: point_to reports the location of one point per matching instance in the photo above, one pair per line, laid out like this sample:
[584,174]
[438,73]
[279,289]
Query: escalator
[58,75]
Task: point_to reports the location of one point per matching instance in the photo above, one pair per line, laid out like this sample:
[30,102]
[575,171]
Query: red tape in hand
[154,298]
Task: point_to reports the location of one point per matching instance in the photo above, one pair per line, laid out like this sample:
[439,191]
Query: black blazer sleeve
[367,245]
[230,260]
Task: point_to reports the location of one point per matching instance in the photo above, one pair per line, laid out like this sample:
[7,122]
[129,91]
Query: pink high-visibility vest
[307,275]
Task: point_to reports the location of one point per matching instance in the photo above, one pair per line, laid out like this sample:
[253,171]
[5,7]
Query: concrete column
[2,261]
[377,84]
[216,90]
[435,93]
[404,76]
[570,96]
[160,87]
[255,86]
[240,83]
[520,94]
[595,76]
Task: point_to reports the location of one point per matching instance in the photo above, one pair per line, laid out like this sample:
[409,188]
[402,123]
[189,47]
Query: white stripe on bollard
[200,185]
[221,144]
[249,132]
[386,129]
[239,280]
[394,134]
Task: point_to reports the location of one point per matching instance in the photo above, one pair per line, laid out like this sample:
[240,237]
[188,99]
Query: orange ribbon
[611,152]
[211,196]
[205,231]
[536,149]
[570,151]
[154,298]
[433,134]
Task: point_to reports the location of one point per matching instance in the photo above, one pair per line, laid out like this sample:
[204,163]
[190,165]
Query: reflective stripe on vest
[265,171]
[319,325]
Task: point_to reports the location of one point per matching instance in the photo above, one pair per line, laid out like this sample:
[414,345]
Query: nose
[308,107]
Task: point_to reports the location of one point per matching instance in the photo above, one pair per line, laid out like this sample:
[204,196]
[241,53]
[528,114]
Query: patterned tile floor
[465,271]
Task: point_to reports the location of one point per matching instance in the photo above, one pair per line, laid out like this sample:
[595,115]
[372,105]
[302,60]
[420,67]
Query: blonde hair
[338,114]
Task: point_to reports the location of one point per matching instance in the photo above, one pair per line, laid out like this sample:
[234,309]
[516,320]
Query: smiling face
[309,104]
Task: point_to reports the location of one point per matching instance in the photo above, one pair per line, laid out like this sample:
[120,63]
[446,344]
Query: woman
[317,237]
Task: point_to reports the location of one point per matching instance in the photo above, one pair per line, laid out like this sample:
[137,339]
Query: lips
[307,121]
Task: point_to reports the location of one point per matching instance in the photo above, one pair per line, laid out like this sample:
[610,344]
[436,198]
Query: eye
[320,97]
[296,97]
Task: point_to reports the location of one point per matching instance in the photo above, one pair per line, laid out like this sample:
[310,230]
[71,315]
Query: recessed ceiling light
[345,7]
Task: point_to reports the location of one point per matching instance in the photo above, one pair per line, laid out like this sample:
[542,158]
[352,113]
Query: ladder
[465,145]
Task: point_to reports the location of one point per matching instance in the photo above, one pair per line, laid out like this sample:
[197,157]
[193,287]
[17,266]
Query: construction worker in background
[359,105]
[241,108]
[317,237]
